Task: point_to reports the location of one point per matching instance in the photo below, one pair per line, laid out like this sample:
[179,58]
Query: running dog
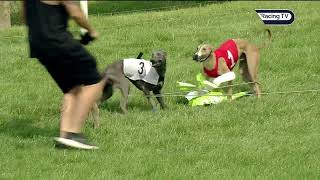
[220,62]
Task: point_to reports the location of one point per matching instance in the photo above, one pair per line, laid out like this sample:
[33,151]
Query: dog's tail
[107,90]
[268,41]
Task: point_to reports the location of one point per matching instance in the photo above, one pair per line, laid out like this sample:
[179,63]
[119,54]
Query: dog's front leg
[226,76]
[153,104]
[229,90]
[160,99]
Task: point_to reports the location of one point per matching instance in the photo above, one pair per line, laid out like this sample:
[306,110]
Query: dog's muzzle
[156,63]
[195,57]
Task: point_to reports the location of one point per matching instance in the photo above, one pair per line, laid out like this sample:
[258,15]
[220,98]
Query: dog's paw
[124,112]
[96,126]
[164,108]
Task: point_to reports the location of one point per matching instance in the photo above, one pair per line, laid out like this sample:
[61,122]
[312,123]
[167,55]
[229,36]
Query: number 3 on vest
[140,71]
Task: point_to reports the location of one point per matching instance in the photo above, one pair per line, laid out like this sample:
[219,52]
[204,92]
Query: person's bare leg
[86,99]
[68,107]
[78,103]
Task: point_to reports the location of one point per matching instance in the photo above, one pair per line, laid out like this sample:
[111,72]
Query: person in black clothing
[68,63]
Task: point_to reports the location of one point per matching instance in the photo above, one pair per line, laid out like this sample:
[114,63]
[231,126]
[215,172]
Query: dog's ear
[140,55]
[155,53]
[207,46]
[165,53]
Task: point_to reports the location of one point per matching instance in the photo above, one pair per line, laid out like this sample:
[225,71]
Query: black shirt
[47,29]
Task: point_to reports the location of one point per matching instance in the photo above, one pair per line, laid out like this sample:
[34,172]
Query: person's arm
[79,17]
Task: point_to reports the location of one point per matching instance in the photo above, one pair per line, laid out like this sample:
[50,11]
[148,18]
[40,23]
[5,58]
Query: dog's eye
[204,49]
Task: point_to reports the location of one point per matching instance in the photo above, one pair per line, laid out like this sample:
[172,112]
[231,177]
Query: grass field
[116,7]
[276,137]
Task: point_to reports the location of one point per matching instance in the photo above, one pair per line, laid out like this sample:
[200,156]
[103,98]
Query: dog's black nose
[195,57]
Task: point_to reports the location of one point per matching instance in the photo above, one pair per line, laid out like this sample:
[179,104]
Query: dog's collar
[202,60]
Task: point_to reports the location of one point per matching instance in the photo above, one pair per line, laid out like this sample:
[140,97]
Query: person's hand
[88,37]
[94,34]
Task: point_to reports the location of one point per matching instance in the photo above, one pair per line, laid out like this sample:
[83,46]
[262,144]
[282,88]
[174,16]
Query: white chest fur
[140,69]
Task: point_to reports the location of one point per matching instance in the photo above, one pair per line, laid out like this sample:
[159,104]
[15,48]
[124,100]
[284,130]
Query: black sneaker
[74,140]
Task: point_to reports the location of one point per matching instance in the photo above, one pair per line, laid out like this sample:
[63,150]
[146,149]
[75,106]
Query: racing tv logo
[275,16]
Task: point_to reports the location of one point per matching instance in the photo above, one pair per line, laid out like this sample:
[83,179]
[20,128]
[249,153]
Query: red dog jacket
[229,52]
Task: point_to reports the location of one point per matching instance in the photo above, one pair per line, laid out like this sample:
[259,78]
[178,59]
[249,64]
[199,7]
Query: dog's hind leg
[243,68]
[125,89]
[107,92]
[95,115]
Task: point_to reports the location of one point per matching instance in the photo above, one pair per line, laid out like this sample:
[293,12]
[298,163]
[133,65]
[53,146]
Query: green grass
[120,7]
[276,137]
[117,7]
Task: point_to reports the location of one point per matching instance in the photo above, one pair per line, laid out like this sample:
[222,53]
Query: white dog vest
[140,69]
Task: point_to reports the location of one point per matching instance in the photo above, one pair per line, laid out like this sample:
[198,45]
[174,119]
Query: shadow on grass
[25,128]
[181,100]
